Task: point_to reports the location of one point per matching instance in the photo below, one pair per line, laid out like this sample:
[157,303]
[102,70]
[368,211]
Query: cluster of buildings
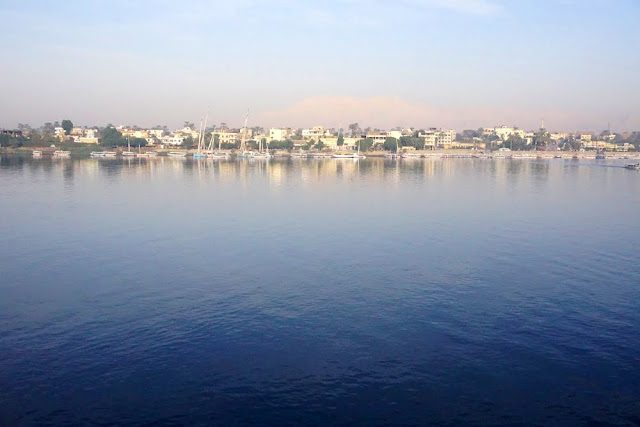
[332,138]
[587,140]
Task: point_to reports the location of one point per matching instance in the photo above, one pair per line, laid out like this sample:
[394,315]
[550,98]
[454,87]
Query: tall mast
[211,140]
[200,135]
[204,129]
[244,132]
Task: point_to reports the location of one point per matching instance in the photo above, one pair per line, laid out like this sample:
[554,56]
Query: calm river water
[454,291]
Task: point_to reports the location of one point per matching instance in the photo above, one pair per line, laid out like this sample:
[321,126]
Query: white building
[395,134]
[280,134]
[227,137]
[557,136]
[314,133]
[503,132]
[171,140]
[434,137]
[378,137]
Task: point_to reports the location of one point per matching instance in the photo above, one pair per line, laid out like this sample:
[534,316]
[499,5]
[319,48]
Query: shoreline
[82,152]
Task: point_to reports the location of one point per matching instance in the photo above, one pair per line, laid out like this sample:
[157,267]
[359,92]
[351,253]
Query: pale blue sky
[454,63]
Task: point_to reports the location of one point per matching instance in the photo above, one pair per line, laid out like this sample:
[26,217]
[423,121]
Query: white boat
[633,167]
[148,154]
[177,154]
[260,154]
[410,155]
[61,153]
[37,153]
[97,154]
[216,154]
[350,155]
[109,153]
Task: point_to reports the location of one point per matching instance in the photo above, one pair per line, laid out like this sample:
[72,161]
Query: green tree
[67,125]
[354,128]
[135,142]
[188,143]
[365,144]
[390,144]
[542,138]
[340,141]
[110,137]
[515,142]
[320,144]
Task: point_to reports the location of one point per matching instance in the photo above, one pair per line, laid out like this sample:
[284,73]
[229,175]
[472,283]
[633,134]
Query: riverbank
[84,150]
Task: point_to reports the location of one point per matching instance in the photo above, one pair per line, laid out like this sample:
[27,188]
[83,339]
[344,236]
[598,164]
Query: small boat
[350,155]
[261,156]
[199,155]
[177,154]
[37,153]
[633,167]
[148,154]
[600,156]
[410,156]
[300,155]
[97,154]
[61,153]
[109,153]
[218,155]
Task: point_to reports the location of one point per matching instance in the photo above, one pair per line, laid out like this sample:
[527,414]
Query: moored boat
[37,153]
[633,167]
[177,154]
[61,153]
[97,154]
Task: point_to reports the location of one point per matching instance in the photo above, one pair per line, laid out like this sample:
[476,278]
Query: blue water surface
[293,291]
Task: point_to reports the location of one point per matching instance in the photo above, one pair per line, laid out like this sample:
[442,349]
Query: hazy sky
[449,63]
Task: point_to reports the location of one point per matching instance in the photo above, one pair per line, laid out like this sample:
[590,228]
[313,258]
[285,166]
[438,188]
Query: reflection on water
[459,291]
[310,169]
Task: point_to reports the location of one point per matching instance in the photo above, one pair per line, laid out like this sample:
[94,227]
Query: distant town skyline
[460,64]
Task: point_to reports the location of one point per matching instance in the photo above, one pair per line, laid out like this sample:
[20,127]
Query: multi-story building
[227,137]
[395,134]
[89,136]
[585,136]
[314,133]
[171,140]
[131,133]
[280,134]
[503,132]
[378,137]
[434,137]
